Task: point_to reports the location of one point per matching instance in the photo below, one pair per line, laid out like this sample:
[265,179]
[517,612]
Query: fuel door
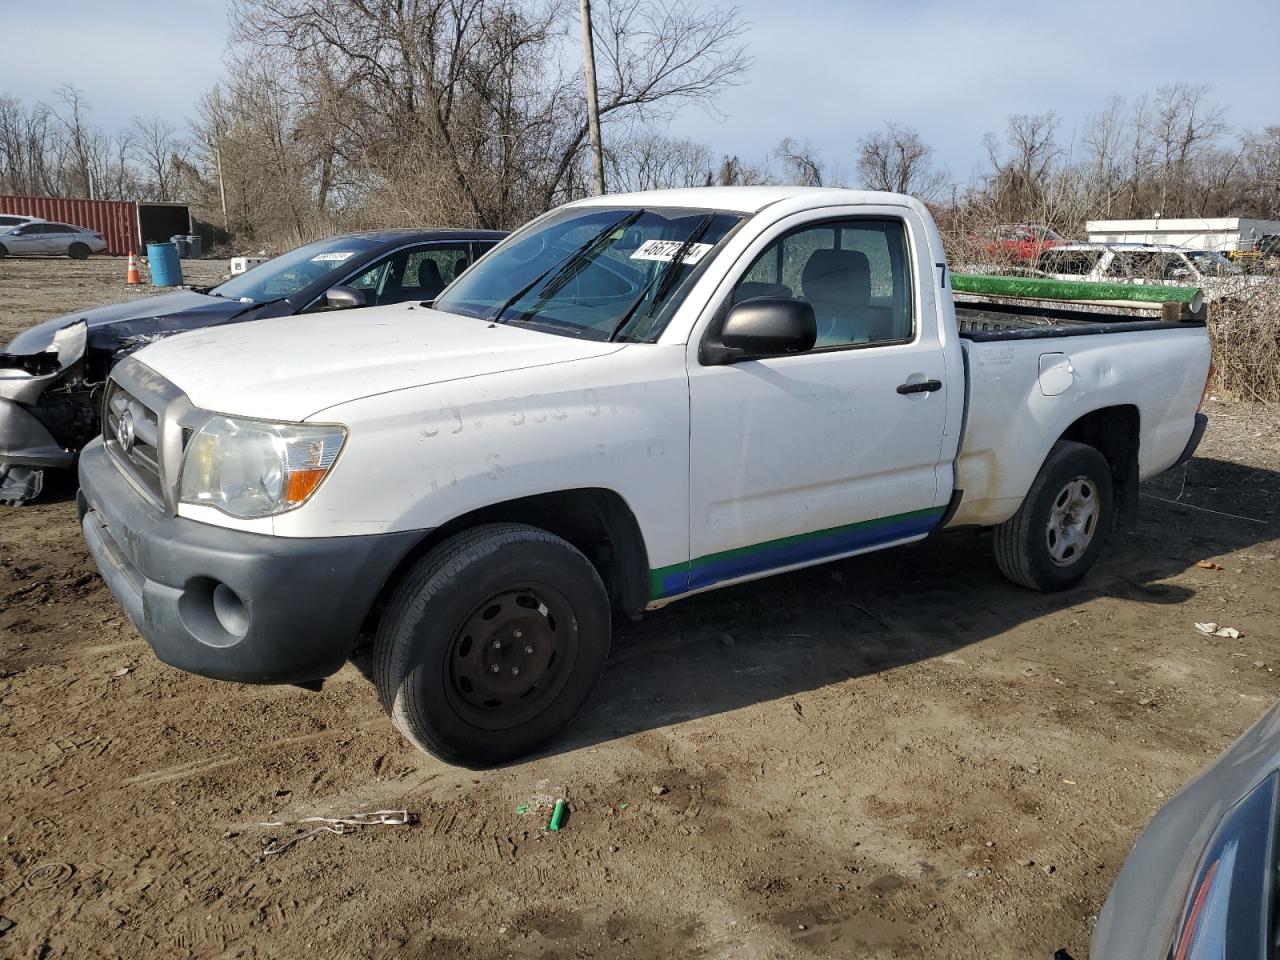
[1056,374]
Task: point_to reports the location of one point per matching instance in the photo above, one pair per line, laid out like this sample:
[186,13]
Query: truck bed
[989,320]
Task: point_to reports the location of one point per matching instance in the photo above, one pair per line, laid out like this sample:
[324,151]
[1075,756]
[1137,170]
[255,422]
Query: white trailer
[1223,234]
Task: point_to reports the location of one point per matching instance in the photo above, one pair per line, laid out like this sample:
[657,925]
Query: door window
[1076,263]
[854,273]
[413,275]
[371,280]
[429,270]
[1144,265]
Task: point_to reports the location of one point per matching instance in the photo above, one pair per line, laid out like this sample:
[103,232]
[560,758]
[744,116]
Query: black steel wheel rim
[511,656]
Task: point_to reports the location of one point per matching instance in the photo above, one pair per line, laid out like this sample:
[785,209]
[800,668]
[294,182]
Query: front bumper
[25,441]
[228,604]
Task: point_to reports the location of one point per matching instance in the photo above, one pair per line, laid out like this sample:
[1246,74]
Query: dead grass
[1245,333]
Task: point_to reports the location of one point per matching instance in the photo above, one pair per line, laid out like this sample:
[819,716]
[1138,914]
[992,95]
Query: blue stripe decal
[787,551]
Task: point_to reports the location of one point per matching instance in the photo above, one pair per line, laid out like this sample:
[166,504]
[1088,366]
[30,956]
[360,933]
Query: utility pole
[222,187]
[593,100]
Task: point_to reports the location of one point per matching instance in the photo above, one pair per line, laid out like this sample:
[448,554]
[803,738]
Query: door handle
[920,386]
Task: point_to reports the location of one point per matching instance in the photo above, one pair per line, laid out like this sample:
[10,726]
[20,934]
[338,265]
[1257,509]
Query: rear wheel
[78,251]
[4,251]
[1058,532]
[491,643]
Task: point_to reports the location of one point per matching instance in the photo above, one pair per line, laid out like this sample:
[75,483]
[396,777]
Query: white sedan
[51,239]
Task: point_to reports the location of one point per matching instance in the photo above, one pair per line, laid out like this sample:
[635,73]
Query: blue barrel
[166,268]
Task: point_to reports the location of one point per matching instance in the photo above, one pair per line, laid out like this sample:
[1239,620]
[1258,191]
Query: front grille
[131,431]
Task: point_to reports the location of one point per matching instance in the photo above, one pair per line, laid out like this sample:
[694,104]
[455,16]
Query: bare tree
[157,148]
[800,162]
[27,154]
[471,111]
[1185,124]
[734,173]
[1262,171]
[647,160]
[896,159]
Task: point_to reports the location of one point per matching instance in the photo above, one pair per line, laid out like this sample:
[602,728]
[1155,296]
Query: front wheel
[491,643]
[1057,533]
[4,251]
[78,251]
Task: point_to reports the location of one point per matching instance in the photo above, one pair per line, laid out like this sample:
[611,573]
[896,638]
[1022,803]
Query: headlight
[248,468]
[1228,911]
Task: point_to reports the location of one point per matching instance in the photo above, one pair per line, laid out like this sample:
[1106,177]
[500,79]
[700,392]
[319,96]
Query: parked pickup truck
[633,399]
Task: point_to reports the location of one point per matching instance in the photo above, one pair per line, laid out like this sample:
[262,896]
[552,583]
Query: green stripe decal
[786,551]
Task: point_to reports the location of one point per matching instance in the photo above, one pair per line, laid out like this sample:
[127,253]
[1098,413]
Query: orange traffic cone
[132,276]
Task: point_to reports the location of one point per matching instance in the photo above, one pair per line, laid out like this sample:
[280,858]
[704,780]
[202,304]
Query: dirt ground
[900,755]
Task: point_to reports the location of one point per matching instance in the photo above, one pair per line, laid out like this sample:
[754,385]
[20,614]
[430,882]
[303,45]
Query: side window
[430,269]
[1173,267]
[854,273]
[1073,262]
[371,280]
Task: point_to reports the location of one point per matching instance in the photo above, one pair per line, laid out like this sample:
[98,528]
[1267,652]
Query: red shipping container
[123,223]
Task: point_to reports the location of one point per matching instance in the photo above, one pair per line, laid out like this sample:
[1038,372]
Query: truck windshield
[596,273]
[296,270]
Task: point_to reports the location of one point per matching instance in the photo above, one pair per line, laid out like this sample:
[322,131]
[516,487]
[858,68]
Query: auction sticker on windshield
[336,257]
[666,249]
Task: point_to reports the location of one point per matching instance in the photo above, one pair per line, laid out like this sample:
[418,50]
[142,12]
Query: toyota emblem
[124,431]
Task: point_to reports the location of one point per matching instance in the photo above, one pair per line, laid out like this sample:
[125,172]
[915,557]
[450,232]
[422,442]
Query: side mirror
[344,298]
[766,327]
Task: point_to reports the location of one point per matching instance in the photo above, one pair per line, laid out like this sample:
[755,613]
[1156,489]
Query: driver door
[24,240]
[800,458]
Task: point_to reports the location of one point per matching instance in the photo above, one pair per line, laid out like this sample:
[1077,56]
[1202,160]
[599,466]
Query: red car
[1023,241]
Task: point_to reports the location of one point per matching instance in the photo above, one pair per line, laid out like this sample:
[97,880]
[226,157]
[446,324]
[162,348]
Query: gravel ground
[900,755]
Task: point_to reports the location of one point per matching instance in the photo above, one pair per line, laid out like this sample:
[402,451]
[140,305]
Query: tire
[78,251]
[531,593]
[4,251]
[1058,532]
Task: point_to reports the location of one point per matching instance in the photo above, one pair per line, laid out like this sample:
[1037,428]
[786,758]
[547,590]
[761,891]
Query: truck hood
[290,368]
[110,326]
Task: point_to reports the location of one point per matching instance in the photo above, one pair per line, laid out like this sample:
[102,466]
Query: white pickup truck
[632,399]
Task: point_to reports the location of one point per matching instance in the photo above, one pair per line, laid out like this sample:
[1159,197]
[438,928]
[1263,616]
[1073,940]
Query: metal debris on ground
[338,825]
[6,925]
[1208,565]
[1213,630]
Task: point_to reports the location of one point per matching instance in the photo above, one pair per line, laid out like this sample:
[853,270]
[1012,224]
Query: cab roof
[740,199]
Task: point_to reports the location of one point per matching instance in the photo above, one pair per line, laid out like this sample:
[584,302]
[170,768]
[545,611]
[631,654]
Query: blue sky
[825,70]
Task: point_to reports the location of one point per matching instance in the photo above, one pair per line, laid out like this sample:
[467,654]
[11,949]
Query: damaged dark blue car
[51,375]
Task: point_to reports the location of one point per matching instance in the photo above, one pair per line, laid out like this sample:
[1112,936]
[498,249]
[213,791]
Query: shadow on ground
[796,632]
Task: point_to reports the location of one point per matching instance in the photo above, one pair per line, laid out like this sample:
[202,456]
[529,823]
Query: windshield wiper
[666,277]
[561,268]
